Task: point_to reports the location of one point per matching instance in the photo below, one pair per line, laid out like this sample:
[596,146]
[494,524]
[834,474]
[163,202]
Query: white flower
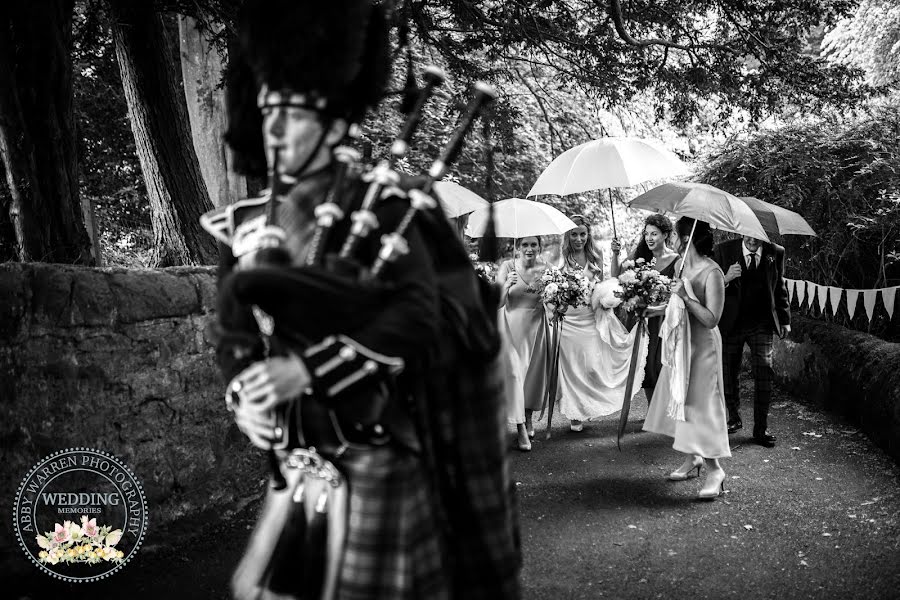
[551,289]
[605,294]
[627,277]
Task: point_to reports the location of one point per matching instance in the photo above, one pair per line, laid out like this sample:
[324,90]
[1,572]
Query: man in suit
[756,308]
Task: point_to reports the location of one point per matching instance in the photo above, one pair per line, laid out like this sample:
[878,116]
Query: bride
[584,390]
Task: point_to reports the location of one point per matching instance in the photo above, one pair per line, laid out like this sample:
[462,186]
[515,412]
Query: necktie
[752,264]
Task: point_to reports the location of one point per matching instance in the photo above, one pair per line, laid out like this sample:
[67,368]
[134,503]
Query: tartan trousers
[762,343]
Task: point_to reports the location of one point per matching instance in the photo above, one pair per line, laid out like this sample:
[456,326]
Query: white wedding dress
[595,354]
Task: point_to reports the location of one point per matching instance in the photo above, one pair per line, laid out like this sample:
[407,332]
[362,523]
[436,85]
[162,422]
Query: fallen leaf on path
[803,563]
[868,502]
[748,527]
[812,434]
[632,527]
[826,534]
[618,544]
[795,448]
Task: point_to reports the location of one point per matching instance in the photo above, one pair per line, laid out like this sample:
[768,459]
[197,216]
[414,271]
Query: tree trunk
[201,67]
[162,135]
[37,141]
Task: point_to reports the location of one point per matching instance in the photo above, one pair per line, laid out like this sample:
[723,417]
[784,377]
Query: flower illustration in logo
[85,543]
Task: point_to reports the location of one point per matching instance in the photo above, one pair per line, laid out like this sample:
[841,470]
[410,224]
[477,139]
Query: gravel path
[818,516]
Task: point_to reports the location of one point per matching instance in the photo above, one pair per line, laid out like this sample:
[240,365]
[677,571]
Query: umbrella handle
[686,248]
[612,212]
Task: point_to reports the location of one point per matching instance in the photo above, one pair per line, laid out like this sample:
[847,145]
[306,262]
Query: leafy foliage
[687,53]
[869,40]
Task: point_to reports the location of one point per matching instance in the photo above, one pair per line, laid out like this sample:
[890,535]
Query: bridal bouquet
[561,289]
[485,270]
[642,285]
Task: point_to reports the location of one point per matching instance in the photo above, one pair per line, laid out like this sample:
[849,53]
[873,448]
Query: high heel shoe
[714,485]
[684,471]
[576,426]
[523,441]
[525,446]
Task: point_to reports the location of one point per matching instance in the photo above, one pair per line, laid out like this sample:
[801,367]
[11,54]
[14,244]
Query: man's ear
[336,132]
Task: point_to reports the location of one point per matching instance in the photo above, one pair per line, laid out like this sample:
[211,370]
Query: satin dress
[654,351]
[524,330]
[704,431]
[584,390]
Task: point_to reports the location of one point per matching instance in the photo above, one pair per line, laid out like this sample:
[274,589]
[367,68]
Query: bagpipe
[277,300]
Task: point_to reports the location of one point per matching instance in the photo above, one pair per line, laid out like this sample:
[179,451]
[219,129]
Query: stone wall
[119,360]
[845,370]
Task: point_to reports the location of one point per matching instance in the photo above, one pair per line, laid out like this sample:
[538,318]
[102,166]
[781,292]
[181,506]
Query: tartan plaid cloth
[393,547]
[464,440]
[761,342]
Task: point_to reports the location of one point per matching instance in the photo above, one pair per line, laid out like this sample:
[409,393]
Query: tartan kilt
[393,548]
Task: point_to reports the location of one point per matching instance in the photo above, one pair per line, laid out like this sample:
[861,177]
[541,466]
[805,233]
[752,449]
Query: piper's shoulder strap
[221,222]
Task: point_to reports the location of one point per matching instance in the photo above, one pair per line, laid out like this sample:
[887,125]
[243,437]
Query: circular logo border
[125,560]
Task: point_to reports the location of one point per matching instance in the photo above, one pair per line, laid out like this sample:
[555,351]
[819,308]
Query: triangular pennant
[822,293]
[812,290]
[852,298]
[869,297]
[791,289]
[801,292]
[834,296]
[887,296]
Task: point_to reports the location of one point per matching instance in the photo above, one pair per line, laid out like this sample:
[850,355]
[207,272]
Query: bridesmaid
[703,435]
[653,244]
[524,327]
[580,381]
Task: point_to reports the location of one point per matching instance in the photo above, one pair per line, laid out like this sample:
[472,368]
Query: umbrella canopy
[704,203]
[457,200]
[607,163]
[776,219]
[518,218]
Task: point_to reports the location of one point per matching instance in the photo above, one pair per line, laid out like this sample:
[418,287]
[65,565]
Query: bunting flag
[812,290]
[834,296]
[852,297]
[887,296]
[869,301]
[801,292]
[822,294]
[789,284]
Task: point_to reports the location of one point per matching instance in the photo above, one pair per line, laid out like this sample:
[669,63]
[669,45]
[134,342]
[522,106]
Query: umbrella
[776,219]
[518,218]
[457,200]
[703,203]
[607,163]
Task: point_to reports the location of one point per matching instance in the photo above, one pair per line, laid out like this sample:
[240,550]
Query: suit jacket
[730,252]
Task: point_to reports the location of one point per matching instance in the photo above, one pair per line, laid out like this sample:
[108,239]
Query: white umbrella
[607,163]
[457,200]
[704,203]
[518,218]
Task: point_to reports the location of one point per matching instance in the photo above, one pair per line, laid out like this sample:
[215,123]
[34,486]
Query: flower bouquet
[485,270]
[642,286]
[561,289]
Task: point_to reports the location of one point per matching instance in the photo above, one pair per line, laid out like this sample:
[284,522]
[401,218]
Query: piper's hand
[263,386]
[733,272]
[615,246]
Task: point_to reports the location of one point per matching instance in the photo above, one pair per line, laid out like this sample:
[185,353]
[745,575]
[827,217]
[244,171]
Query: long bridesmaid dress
[524,327]
[704,431]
